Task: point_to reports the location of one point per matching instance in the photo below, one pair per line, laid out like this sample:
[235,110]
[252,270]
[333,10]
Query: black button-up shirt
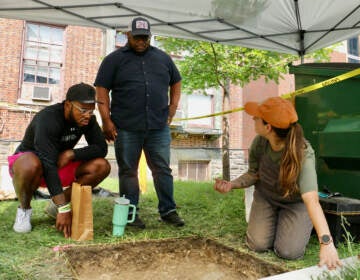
[139,84]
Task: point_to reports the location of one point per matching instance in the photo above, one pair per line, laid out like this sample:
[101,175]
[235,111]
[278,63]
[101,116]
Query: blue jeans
[156,146]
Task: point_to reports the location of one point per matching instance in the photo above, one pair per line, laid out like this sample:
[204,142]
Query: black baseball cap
[82,93]
[140,26]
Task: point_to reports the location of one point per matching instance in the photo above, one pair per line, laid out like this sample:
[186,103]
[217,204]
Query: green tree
[205,64]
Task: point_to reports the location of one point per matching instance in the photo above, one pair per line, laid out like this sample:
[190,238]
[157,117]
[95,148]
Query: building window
[200,105]
[43,54]
[353,50]
[197,171]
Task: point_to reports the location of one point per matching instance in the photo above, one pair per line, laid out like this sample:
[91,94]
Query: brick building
[39,62]
[37,65]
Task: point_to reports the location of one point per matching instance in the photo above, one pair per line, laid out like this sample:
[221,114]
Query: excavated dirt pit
[190,258]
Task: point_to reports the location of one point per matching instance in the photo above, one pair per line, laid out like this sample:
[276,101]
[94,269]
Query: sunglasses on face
[82,110]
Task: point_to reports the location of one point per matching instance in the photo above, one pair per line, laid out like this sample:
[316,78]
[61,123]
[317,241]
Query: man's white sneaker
[22,221]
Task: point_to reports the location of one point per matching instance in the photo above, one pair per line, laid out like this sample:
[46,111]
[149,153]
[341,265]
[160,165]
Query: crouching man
[47,157]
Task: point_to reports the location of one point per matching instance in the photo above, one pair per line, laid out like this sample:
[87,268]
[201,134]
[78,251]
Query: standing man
[139,77]
[47,157]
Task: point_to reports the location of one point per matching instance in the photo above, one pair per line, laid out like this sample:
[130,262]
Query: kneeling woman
[282,168]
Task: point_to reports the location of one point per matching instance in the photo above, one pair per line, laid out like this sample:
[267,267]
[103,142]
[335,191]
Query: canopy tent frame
[188,28]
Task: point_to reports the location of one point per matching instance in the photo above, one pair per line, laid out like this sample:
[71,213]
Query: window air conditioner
[41,93]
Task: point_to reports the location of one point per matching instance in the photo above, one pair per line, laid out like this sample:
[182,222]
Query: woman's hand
[329,256]
[222,186]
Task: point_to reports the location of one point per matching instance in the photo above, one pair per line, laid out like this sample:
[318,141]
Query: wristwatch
[325,239]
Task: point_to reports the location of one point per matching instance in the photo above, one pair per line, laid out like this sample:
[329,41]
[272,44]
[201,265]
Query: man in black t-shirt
[47,157]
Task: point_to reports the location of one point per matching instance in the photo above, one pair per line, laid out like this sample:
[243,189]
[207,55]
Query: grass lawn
[206,213]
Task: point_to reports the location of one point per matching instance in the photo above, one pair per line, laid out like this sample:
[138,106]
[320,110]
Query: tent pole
[302,46]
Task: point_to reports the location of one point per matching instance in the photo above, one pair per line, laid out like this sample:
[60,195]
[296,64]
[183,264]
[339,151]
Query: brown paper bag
[82,215]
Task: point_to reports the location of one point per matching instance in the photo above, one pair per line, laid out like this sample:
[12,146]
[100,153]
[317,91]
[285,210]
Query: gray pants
[284,227]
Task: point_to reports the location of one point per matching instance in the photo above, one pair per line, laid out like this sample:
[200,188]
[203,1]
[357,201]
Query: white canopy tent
[289,26]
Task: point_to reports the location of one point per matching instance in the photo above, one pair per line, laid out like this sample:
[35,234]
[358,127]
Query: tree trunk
[225,137]
[225,149]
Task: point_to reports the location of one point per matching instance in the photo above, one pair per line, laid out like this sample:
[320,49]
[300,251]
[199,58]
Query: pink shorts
[66,173]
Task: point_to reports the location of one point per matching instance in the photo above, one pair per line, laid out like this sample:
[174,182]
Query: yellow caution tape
[212,115]
[323,83]
[307,89]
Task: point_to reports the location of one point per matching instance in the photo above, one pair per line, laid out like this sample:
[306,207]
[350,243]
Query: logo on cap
[141,24]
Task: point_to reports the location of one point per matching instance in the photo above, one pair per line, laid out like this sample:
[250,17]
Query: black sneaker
[173,219]
[137,222]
